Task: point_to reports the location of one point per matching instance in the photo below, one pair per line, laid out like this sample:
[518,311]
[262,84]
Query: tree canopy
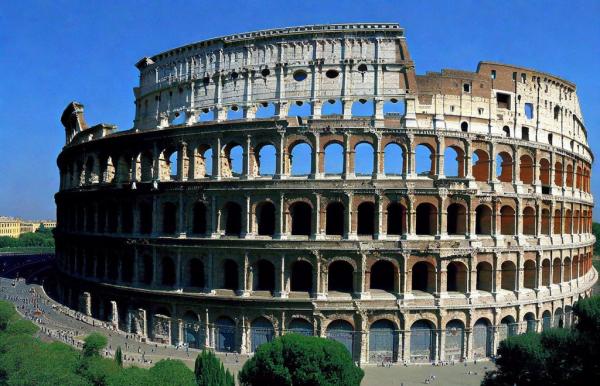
[300,360]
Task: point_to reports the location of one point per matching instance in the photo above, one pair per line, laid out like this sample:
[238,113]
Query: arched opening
[301,277]
[569,176]
[170,170]
[265,276]
[363,159]
[545,175]
[393,160]
[168,272]
[454,162]
[382,277]
[526,169]
[567,222]
[423,277]
[529,272]
[508,276]
[267,160]
[301,326]
[483,220]
[424,157]
[422,341]
[91,175]
[196,273]
[363,108]
[202,163]
[558,174]
[192,330]
[464,127]
[233,158]
[556,271]
[334,159]
[146,167]
[343,332]
[265,217]
[530,322]
[482,338]
[234,112]
[456,219]
[301,159]
[508,327]
[299,108]
[147,268]
[504,167]
[396,219]
[567,270]
[126,269]
[426,219]
[456,277]
[265,110]
[366,219]
[557,222]
[559,320]
[383,342]
[332,107]
[546,272]
[484,276]
[507,220]
[233,219]
[169,218]
[334,218]
[529,221]
[393,107]
[481,165]
[455,339]
[506,131]
[230,275]
[301,214]
[127,217]
[545,222]
[145,218]
[199,218]
[225,334]
[576,222]
[340,277]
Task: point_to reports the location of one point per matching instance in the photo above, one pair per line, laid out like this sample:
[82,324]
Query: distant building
[10,226]
[14,227]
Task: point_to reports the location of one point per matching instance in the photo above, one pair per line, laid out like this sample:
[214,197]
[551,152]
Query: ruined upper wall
[302,64]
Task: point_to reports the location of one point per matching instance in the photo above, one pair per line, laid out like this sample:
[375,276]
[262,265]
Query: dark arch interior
[148,271]
[340,277]
[233,219]
[196,273]
[483,220]
[334,222]
[382,276]
[145,218]
[266,219]
[396,219]
[301,276]
[169,218]
[366,219]
[230,275]
[199,218]
[426,219]
[168,272]
[265,277]
[301,218]
[423,277]
[456,219]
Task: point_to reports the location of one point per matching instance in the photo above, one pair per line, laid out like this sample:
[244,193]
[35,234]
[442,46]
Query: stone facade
[457,210]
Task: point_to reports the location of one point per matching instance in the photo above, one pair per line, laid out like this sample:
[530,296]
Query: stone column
[85,303]
[182,162]
[315,167]
[349,229]
[216,163]
[317,233]
[280,278]
[348,171]
[380,233]
[280,155]
[280,231]
[114,314]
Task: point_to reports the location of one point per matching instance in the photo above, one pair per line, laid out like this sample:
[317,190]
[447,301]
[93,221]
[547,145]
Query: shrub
[93,343]
[172,373]
[300,360]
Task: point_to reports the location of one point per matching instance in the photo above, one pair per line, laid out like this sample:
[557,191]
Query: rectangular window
[529,110]
[493,74]
[525,133]
[503,100]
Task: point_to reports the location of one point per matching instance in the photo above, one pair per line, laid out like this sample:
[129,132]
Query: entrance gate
[455,337]
[383,342]
[342,332]
[482,339]
[422,342]
[225,335]
[261,332]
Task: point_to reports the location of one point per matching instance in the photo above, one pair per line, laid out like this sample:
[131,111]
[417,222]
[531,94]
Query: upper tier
[344,70]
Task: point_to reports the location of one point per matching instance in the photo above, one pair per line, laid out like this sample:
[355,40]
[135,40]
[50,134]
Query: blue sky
[52,52]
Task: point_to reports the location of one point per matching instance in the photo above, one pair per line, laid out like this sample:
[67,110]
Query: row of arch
[383,275]
[366,219]
[243,159]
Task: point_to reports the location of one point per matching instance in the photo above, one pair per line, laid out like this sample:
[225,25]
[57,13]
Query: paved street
[60,323]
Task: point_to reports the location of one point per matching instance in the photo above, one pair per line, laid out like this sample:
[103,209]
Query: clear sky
[53,52]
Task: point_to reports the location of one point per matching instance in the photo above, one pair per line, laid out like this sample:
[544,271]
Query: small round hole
[299,103]
[265,72]
[362,101]
[234,108]
[332,101]
[394,100]
[332,74]
[362,67]
[264,104]
[205,111]
[300,75]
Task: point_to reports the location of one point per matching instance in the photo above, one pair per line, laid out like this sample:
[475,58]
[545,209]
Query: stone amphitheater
[306,180]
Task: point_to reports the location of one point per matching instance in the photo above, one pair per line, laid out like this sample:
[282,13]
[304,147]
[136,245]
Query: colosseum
[307,180]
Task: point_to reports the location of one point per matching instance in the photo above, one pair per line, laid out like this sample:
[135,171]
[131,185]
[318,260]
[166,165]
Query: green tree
[119,356]
[93,343]
[210,371]
[300,360]
[565,357]
[596,232]
[7,314]
[169,372]
[130,376]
